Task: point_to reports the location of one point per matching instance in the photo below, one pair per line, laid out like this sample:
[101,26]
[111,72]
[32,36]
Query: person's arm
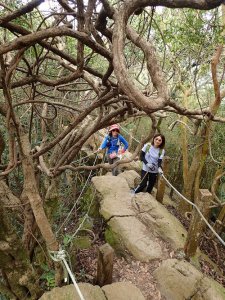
[125,143]
[143,157]
[104,143]
[161,158]
[160,162]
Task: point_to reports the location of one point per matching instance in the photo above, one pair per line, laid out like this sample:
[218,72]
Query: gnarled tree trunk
[19,278]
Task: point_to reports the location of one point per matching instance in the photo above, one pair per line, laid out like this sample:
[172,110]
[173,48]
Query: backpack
[109,141]
[149,146]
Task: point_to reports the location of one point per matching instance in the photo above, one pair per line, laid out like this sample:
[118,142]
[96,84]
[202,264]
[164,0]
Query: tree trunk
[197,224]
[52,199]
[19,278]
[2,145]
[31,191]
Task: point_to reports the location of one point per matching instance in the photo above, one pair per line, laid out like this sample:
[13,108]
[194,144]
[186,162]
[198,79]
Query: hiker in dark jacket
[116,145]
[151,155]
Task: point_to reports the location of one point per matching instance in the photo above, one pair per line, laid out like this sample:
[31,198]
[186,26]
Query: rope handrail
[60,256]
[84,219]
[70,212]
[196,207]
[211,155]
[129,134]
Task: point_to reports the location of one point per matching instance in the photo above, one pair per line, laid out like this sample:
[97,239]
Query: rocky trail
[149,241]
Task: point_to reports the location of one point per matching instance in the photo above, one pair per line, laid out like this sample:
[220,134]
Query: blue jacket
[113,143]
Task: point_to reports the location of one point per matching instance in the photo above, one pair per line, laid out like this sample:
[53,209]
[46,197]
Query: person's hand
[150,165]
[121,151]
[99,149]
[160,171]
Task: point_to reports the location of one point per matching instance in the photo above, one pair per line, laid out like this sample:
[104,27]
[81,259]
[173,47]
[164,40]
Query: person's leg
[116,170]
[151,181]
[144,179]
[110,160]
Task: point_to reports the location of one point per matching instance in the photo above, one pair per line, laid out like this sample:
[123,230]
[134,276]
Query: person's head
[158,141]
[114,130]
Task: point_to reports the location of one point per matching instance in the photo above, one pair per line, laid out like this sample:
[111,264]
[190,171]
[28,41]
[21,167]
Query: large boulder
[155,216]
[114,195]
[135,222]
[179,280]
[69,292]
[122,291]
[132,177]
[125,228]
[115,291]
[136,237]
[133,165]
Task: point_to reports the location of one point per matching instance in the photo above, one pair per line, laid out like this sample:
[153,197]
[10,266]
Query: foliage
[48,276]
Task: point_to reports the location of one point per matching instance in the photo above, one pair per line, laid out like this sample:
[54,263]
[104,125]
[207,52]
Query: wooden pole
[161,182]
[197,224]
[105,265]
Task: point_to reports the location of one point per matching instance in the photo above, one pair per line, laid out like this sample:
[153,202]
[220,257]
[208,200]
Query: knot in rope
[58,256]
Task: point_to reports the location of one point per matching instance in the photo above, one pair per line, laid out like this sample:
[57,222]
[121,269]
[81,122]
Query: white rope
[198,210]
[86,182]
[84,219]
[211,155]
[129,134]
[86,215]
[60,256]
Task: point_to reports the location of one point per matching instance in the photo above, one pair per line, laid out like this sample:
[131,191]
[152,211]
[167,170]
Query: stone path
[151,241]
[142,226]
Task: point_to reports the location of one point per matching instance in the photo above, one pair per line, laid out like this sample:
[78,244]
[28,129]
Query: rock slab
[155,216]
[114,291]
[179,280]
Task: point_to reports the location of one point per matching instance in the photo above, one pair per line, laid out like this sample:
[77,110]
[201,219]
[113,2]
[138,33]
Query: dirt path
[124,269]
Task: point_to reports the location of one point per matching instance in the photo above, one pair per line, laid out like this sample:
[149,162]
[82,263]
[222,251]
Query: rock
[155,216]
[135,221]
[136,237]
[179,280]
[133,165]
[132,177]
[122,291]
[68,292]
[114,196]
[115,291]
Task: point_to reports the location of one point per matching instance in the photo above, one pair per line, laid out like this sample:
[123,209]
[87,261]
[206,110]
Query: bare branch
[21,11]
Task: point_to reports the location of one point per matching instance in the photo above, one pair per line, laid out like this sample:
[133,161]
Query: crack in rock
[119,216]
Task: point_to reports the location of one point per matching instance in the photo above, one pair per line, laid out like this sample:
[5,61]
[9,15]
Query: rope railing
[84,219]
[133,138]
[60,256]
[75,203]
[196,207]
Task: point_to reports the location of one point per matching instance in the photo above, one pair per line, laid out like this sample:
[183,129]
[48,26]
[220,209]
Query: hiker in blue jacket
[151,155]
[116,145]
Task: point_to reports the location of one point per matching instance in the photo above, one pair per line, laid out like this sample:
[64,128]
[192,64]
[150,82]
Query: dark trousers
[116,170]
[146,178]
